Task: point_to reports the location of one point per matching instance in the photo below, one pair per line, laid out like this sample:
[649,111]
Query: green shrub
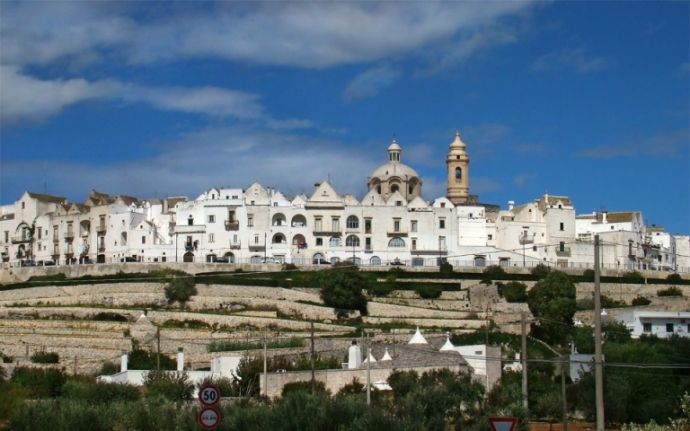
[232,345]
[588,275]
[319,387]
[110,317]
[584,304]
[142,360]
[99,393]
[428,291]
[6,358]
[633,277]
[513,291]
[446,268]
[540,270]
[180,289]
[671,291]
[342,288]
[108,368]
[39,382]
[45,358]
[289,267]
[172,386]
[641,300]
[674,278]
[382,288]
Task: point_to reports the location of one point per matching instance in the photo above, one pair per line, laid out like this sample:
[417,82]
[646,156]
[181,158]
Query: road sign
[209,418]
[209,395]
[502,424]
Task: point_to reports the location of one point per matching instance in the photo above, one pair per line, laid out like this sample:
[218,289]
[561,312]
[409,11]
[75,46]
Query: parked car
[396,262]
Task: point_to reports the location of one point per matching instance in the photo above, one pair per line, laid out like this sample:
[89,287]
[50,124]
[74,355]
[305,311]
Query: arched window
[479,261]
[299,241]
[318,259]
[278,238]
[396,242]
[375,260]
[378,189]
[458,174]
[190,220]
[278,220]
[352,241]
[334,241]
[230,257]
[335,260]
[352,222]
[299,221]
[394,188]
[256,259]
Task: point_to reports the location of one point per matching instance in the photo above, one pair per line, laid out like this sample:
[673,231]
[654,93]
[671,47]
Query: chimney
[354,356]
[603,216]
[123,362]
[180,359]
[511,204]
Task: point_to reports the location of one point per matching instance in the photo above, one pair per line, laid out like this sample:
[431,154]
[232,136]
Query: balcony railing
[526,240]
[101,228]
[326,233]
[427,252]
[257,246]
[397,233]
[20,239]
[235,245]
[69,234]
[190,228]
[232,225]
[101,248]
[565,252]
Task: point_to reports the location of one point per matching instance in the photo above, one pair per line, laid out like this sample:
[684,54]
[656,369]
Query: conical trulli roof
[448,346]
[386,356]
[371,358]
[418,338]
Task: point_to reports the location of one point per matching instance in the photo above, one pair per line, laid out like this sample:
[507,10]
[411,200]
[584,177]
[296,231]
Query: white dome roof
[394,169]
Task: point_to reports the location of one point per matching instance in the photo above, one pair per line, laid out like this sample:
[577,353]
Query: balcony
[564,252]
[257,246]
[426,252]
[190,228]
[101,248]
[232,225]
[69,235]
[101,228]
[526,240]
[327,233]
[397,233]
[21,239]
[235,245]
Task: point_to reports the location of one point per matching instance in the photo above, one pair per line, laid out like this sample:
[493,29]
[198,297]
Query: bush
[319,387]
[428,291]
[110,317]
[446,268]
[39,382]
[289,267]
[641,300]
[45,358]
[513,291]
[180,289]
[540,271]
[142,360]
[671,291]
[6,359]
[99,393]
[633,277]
[172,386]
[588,275]
[342,288]
[674,278]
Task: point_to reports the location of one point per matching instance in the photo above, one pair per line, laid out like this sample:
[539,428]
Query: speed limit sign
[209,395]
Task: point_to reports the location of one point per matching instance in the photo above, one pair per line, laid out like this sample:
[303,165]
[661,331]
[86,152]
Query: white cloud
[521,180]
[301,34]
[575,58]
[230,156]
[26,98]
[663,144]
[370,82]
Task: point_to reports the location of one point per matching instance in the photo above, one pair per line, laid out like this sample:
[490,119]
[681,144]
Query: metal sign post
[209,417]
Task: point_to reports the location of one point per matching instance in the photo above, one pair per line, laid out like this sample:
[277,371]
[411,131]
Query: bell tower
[458,164]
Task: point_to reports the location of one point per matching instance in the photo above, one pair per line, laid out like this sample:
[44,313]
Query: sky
[584,99]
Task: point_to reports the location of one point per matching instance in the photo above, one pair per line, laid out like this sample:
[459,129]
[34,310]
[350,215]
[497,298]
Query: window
[443,204]
[647,327]
[23,205]
[352,222]
[319,241]
[414,243]
[375,260]
[190,221]
[335,224]
[256,239]
[396,242]
[562,226]
[398,203]
[458,175]
[231,216]
[669,327]
[413,226]
[250,220]
[442,242]
[561,246]
[317,224]
[442,223]
[396,225]
[352,241]
[490,237]
[39,232]
[211,238]
[367,225]
[394,188]
[143,239]
[367,243]
[7,236]
[334,241]
[211,218]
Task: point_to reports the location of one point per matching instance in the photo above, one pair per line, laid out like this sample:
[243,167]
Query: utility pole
[313,378]
[598,372]
[74,371]
[158,349]
[265,366]
[368,372]
[486,324]
[565,401]
[523,357]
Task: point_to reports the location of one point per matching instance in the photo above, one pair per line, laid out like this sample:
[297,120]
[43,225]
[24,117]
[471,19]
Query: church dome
[395,176]
[394,169]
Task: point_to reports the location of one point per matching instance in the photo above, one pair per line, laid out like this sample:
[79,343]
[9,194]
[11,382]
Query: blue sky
[585,99]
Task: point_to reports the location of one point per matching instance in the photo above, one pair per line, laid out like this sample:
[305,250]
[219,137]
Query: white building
[662,324]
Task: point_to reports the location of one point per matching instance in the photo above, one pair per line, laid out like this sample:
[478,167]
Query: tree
[180,289]
[173,386]
[342,288]
[513,291]
[552,302]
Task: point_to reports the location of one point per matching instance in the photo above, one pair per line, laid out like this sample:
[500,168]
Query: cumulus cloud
[25,98]
[576,59]
[311,34]
[370,82]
